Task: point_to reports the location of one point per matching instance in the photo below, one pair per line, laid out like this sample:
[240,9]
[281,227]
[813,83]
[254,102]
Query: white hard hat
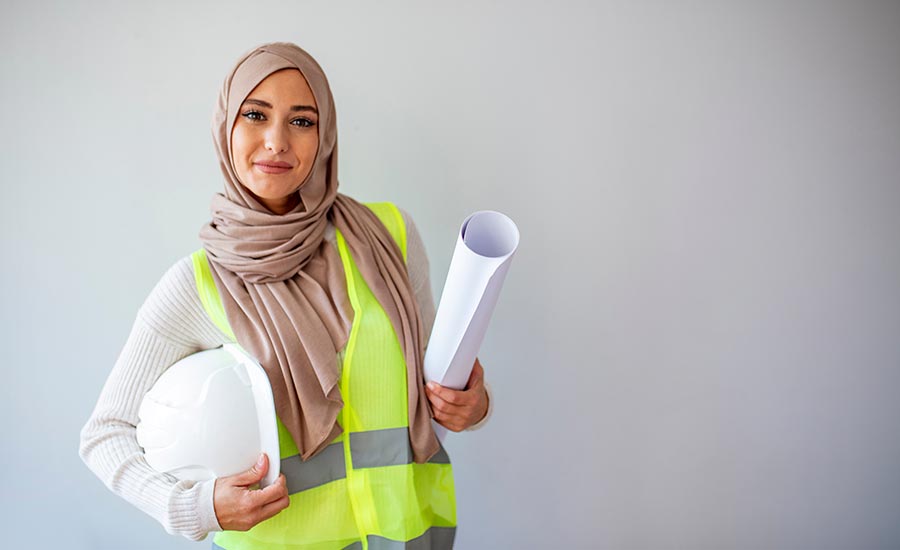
[210,415]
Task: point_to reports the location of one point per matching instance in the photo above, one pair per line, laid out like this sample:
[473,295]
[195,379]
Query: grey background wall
[698,345]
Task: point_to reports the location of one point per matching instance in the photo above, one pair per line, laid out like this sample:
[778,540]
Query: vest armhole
[390,216]
[209,294]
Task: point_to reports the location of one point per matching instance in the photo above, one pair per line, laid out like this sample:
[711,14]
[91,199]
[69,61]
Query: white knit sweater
[170,325]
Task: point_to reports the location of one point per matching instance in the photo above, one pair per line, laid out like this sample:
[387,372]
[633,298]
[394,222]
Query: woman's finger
[445,414]
[272,493]
[456,410]
[239,508]
[441,407]
[476,376]
[451,396]
[452,417]
[452,423]
[442,404]
[273,508]
[252,475]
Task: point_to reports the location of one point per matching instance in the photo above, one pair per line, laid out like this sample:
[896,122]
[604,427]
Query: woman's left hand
[456,410]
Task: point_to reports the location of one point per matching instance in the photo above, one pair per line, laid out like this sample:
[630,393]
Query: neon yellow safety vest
[363,491]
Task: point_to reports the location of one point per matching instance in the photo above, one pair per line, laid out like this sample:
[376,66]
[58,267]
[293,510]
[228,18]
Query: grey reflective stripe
[440,457]
[370,449]
[318,470]
[436,538]
[380,448]
[216,547]
[388,447]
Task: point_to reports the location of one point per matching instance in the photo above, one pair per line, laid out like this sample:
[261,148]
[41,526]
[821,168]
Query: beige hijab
[282,284]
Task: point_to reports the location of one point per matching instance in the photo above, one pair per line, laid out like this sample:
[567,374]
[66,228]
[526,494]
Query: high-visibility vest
[363,491]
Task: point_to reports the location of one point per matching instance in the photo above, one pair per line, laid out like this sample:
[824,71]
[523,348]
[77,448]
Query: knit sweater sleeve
[419,272]
[170,325]
[420,278]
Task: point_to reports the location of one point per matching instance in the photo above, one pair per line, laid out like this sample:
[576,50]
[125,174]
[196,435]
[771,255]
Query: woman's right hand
[238,507]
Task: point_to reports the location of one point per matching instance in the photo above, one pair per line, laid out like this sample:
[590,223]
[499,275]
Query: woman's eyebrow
[268,105]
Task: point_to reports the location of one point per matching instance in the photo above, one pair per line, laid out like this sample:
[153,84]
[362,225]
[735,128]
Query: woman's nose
[276,139]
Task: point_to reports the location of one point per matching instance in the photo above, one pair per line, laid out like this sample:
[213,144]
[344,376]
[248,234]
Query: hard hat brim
[265,411]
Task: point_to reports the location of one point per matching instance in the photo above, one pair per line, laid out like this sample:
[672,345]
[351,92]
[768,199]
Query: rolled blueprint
[484,249]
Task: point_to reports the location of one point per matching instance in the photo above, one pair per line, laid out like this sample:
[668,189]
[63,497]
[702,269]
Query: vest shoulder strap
[390,216]
[209,294]
[387,212]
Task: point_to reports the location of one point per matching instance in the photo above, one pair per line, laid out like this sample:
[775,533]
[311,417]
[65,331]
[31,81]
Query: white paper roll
[484,249]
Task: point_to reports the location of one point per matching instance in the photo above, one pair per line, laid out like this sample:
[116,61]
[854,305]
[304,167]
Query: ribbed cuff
[206,506]
[191,510]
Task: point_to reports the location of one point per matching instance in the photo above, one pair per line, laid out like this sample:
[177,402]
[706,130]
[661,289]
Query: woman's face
[275,139]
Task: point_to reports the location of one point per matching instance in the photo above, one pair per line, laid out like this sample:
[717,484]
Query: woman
[294,268]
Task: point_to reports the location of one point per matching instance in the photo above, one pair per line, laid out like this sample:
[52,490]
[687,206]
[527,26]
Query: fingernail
[260,460]
[432,386]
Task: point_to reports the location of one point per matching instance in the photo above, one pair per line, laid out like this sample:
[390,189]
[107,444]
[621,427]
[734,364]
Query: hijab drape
[282,283]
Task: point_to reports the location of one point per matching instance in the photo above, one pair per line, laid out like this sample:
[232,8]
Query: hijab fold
[282,283]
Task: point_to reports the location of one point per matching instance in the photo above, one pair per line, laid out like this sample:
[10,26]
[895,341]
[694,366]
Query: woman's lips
[273,167]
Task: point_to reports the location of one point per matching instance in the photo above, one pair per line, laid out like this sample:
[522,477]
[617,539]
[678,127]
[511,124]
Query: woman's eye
[253,115]
[303,122]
